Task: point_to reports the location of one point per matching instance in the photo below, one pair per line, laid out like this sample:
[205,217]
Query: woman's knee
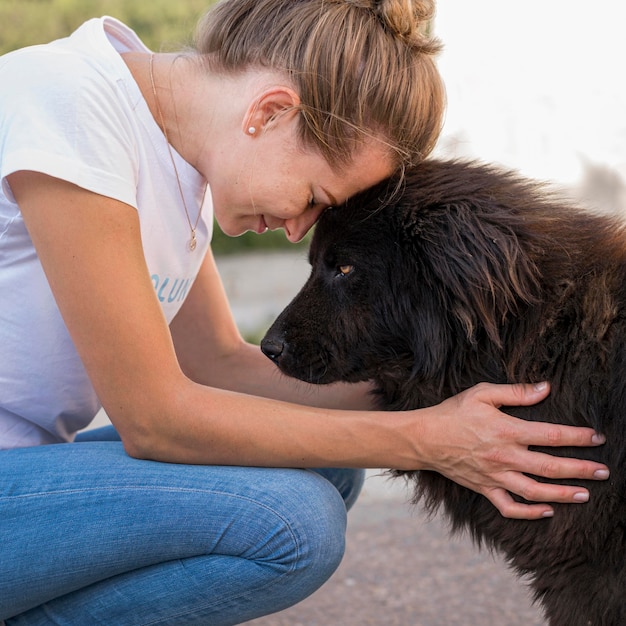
[327,497]
[316,519]
[348,482]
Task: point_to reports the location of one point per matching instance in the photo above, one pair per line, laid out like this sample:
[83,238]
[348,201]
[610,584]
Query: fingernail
[540,386]
[581,496]
[547,514]
[602,474]
[598,439]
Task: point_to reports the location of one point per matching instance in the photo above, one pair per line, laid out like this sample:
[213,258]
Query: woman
[113,162]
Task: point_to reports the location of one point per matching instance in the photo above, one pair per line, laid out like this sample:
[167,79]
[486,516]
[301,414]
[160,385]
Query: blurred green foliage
[248,242]
[163,25]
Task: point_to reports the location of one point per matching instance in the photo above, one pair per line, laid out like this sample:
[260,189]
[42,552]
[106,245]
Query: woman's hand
[486,450]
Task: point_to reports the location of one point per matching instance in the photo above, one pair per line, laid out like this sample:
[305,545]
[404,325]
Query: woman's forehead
[369,166]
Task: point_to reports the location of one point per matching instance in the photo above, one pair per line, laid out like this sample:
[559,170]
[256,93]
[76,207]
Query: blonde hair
[362,68]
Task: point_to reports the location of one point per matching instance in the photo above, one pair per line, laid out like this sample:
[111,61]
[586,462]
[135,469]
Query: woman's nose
[297,227]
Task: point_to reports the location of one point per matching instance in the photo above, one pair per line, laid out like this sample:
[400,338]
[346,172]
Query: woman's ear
[268,108]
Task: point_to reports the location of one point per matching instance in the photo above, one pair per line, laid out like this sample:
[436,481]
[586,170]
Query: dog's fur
[471,274]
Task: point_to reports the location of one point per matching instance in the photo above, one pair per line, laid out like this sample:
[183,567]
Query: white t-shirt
[72,110]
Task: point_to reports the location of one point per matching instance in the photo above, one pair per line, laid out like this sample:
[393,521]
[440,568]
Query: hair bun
[409,20]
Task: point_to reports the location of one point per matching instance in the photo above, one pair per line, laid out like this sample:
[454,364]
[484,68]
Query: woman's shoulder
[81,78]
[88,58]
[69,114]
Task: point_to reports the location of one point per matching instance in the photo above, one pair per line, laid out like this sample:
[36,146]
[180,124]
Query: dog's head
[403,278]
[347,306]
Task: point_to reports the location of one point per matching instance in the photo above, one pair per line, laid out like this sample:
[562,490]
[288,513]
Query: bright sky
[535,84]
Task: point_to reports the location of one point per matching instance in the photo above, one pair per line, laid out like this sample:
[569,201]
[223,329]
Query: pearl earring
[251,130]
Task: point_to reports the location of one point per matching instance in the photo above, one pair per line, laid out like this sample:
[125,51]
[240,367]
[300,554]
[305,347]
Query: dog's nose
[272,348]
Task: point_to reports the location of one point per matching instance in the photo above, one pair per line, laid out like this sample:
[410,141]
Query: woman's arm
[90,248]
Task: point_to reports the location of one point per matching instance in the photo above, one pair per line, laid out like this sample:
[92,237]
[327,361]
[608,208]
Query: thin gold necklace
[192,227]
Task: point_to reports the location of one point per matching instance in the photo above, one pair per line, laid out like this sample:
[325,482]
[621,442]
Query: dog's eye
[344,270]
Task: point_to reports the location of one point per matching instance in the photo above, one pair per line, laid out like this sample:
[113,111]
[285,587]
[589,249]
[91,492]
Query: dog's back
[469,274]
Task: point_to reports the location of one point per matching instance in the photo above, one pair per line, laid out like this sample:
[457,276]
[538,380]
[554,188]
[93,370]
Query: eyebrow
[330,196]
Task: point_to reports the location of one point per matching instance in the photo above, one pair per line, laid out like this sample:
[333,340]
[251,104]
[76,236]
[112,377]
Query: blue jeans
[89,535]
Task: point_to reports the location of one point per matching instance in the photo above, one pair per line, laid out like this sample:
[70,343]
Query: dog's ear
[477,260]
[417,315]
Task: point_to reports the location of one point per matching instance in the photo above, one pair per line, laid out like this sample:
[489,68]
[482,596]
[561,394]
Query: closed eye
[314,202]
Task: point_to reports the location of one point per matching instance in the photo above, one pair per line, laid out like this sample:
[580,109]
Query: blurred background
[534,85]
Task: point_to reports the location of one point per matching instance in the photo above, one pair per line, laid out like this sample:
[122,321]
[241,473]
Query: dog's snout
[272,347]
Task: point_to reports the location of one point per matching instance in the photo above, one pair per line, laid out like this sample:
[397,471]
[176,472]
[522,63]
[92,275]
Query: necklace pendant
[192,241]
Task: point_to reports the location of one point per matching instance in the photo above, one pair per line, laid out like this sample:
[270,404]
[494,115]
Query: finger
[517,394]
[535,491]
[538,433]
[508,507]
[550,466]
[558,435]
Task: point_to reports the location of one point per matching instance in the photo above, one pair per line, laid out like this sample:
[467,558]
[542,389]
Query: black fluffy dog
[470,274]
